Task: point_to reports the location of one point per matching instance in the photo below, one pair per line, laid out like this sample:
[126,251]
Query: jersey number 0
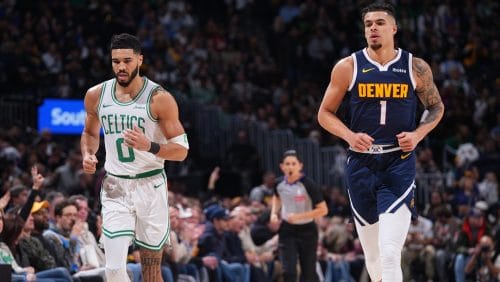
[119,150]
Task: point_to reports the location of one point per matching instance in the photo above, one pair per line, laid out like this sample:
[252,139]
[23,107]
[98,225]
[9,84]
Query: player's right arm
[89,142]
[276,206]
[340,80]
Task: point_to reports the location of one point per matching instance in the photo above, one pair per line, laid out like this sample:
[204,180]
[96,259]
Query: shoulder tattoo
[427,90]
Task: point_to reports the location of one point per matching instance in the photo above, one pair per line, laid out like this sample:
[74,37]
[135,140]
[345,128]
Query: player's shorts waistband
[378,149]
[140,175]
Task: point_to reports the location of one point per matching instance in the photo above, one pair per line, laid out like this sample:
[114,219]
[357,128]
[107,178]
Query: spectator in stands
[445,230]
[31,251]
[40,215]
[340,250]
[467,193]
[263,230]
[337,202]
[234,253]
[178,253]
[482,265]
[242,157]
[91,253]
[67,177]
[264,192]
[262,256]
[63,238]
[436,201]
[18,196]
[54,198]
[212,247]
[488,188]
[418,253]
[473,229]
[11,226]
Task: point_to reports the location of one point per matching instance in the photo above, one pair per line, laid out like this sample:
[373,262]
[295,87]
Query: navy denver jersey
[382,97]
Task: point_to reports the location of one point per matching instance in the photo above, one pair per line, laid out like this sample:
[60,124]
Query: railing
[18,113]
[214,131]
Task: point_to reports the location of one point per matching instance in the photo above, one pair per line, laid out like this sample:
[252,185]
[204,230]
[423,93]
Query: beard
[41,225]
[132,76]
[375,46]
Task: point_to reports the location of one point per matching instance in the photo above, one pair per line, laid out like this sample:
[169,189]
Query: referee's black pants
[301,240]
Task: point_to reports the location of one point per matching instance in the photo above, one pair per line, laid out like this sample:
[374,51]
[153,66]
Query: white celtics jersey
[115,117]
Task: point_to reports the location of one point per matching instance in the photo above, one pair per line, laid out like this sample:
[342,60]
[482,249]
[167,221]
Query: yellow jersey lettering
[362,90]
[383,90]
[395,91]
[404,90]
[387,90]
[369,90]
[379,90]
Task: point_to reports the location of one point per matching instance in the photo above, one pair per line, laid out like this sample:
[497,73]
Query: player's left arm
[164,107]
[428,94]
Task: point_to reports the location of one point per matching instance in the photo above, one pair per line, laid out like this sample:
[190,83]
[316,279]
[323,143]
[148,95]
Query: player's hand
[37,178]
[89,163]
[408,141]
[360,141]
[136,139]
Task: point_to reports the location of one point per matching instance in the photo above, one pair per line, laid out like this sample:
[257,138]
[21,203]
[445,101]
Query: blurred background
[248,76]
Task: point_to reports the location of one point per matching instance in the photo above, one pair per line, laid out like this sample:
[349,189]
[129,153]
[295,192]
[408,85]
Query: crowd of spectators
[269,62]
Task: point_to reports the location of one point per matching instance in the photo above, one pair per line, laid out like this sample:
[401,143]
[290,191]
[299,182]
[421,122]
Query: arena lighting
[61,116]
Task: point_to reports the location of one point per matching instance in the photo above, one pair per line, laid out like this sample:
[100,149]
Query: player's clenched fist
[89,164]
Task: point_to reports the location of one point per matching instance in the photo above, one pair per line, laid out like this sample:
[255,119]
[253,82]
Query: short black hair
[125,41]
[291,152]
[379,6]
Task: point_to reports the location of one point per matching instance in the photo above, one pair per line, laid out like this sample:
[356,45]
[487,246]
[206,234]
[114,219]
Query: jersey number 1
[383,111]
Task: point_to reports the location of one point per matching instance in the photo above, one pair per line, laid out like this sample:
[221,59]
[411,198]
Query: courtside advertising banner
[61,116]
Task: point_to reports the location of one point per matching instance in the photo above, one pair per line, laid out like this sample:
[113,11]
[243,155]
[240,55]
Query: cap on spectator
[475,212]
[185,213]
[39,205]
[482,205]
[216,212]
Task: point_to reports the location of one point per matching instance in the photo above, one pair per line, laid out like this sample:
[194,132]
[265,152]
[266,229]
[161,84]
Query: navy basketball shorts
[379,183]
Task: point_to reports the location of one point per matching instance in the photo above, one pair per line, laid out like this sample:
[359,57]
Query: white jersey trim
[378,65]
[400,199]
[354,73]
[358,216]
[410,70]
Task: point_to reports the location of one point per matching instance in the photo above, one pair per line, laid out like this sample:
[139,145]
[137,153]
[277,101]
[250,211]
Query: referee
[300,201]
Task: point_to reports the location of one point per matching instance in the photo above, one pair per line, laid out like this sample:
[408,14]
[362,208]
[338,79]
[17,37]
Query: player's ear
[140,59]
[395,29]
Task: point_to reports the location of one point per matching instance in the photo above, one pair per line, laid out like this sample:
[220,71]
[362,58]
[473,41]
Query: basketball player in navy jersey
[384,86]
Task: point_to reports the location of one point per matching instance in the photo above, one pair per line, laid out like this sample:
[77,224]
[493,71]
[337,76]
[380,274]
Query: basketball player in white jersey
[141,127]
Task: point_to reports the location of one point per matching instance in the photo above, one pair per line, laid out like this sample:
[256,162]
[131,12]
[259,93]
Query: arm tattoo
[158,90]
[427,91]
[150,261]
